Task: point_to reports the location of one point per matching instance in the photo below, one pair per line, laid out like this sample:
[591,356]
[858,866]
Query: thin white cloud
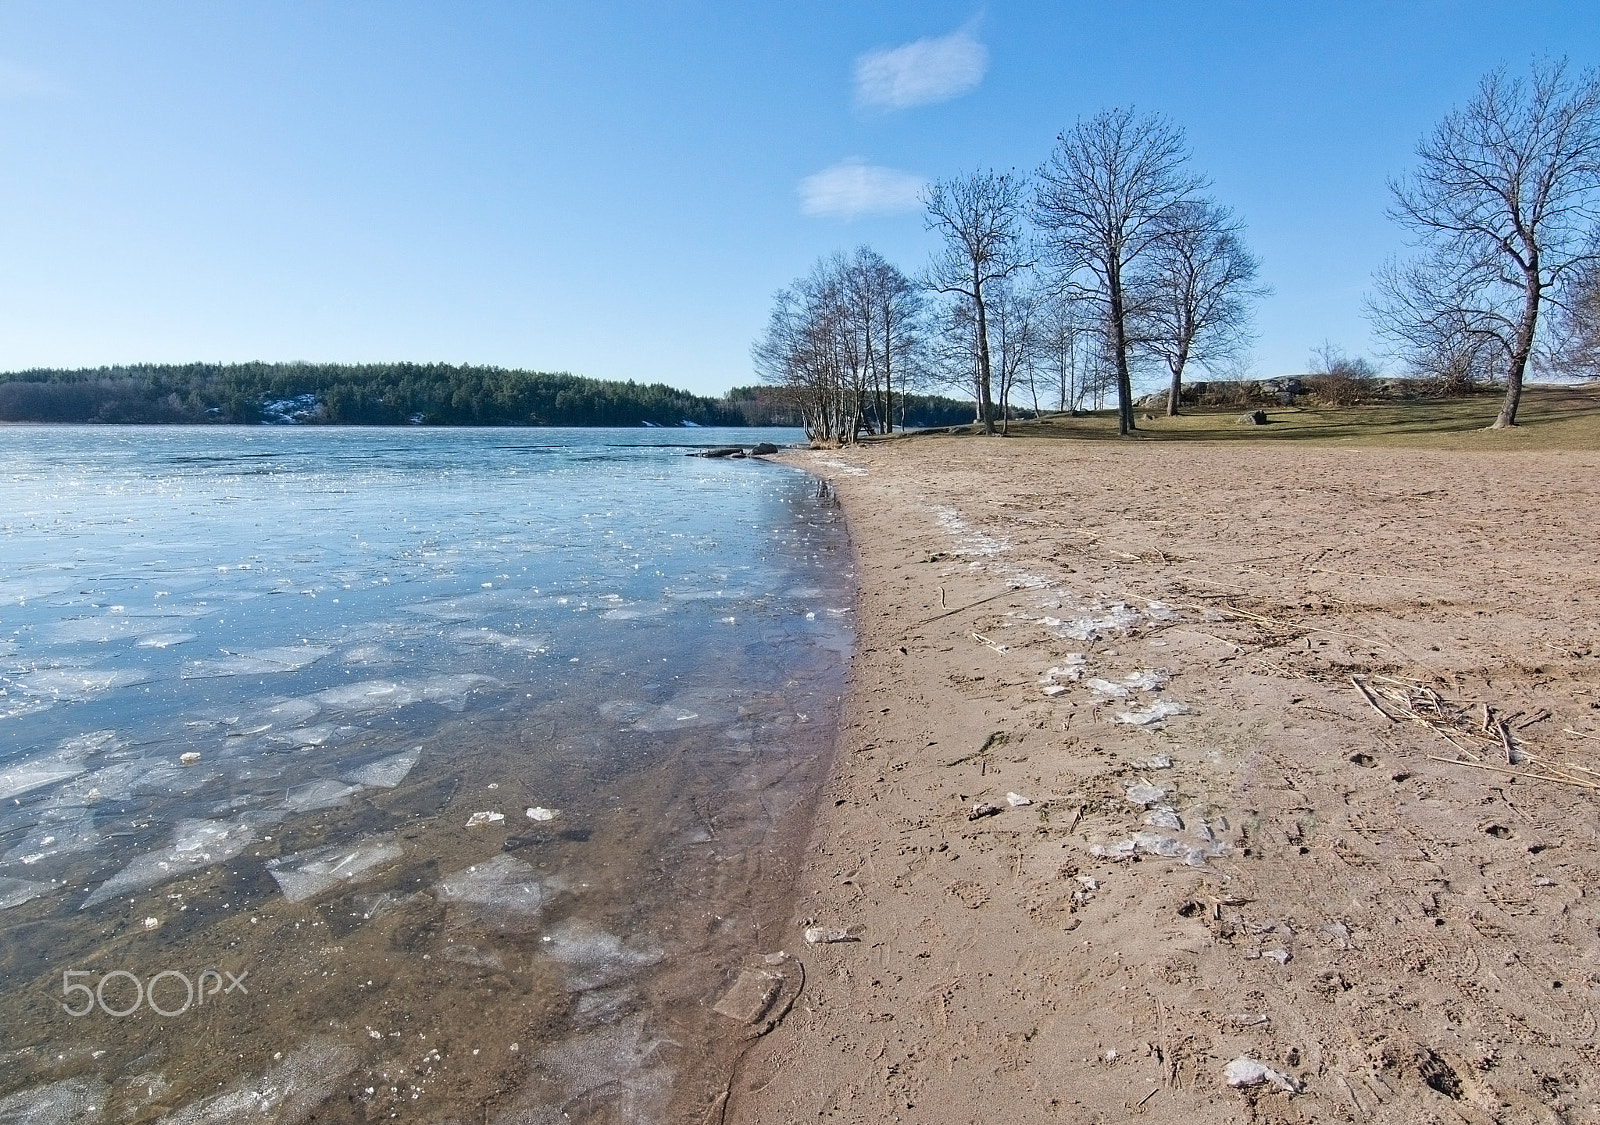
[853,188]
[25,82]
[919,73]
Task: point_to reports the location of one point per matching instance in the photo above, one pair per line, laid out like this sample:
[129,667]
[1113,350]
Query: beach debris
[987,643]
[1160,709]
[1144,793]
[1155,843]
[1153,762]
[1017,800]
[980,811]
[539,812]
[189,758]
[818,935]
[1244,1072]
[479,819]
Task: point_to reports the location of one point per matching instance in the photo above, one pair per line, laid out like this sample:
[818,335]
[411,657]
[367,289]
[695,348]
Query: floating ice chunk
[1144,793]
[478,819]
[1244,1071]
[285,712]
[260,662]
[324,793]
[1160,709]
[55,836]
[165,640]
[539,812]
[381,695]
[1148,680]
[196,844]
[189,758]
[306,874]
[597,958]
[385,773]
[504,888]
[614,1072]
[1106,687]
[15,892]
[369,655]
[501,640]
[76,1101]
[472,955]
[287,1094]
[318,735]
[75,685]
[61,764]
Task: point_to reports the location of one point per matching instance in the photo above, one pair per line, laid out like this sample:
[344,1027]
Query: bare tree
[883,308]
[1502,208]
[1576,351]
[1198,286]
[1115,187]
[1015,321]
[979,216]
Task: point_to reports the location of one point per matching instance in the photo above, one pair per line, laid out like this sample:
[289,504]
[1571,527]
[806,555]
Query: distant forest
[395,394]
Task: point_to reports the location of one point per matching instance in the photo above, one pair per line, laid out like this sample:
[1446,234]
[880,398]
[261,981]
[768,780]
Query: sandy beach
[1305,737]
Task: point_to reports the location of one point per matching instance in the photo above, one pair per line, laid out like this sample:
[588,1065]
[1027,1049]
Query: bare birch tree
[1116,186]
[1502,208]
[980,217]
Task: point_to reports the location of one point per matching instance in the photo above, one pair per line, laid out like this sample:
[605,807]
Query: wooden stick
[1513,773]
[1580,734]
[1505,741]
[1373,703]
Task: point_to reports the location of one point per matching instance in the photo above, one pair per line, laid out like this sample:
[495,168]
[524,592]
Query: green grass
[1549,418]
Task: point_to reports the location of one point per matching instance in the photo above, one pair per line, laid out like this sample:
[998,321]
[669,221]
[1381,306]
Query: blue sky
[616,189]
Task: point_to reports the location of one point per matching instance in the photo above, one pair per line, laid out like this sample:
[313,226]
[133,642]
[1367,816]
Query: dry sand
[1402,938]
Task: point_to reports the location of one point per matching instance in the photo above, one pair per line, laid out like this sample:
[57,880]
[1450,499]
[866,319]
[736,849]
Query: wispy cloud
[853,188]
[919,73]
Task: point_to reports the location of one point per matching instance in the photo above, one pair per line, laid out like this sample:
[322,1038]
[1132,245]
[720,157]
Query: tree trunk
[1519,357]
[1175,392]
[985,396]
[1119,340]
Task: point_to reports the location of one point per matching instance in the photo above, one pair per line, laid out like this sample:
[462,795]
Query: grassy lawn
[1548,418]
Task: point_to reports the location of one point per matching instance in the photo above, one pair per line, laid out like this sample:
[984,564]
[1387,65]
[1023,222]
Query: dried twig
[1515,773]
[1505,742]
[1580,734]
[1373,703]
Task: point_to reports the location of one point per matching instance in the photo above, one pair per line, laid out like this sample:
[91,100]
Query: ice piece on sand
[15,892]
[1147,680]
[306,874]
[1244,1071]
[59,1103]
[539,812]
[196,844]
[1143,793]
[818,935]
[1157,711]
[478,819]
[1163,816]
[1055,689]
[1017,800]
[980,811]
[288,1093]
[324,793]
[385,773]
[1106,687]
[1153,762]
[750,996]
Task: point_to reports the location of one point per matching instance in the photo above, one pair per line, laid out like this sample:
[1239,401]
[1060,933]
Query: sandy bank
[1400,937]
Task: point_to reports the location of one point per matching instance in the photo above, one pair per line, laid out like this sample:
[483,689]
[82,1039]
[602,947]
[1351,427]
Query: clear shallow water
[255,683]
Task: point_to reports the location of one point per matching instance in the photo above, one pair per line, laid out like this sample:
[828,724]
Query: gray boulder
[1253,418]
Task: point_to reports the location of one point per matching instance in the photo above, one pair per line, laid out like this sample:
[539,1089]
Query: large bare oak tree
[1503,209]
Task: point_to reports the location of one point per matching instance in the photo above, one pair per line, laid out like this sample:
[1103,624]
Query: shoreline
[1304,884]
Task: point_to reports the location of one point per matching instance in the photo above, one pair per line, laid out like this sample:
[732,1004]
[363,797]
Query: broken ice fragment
[1157,711]
[1143,793]
[1017,800]
[478,819]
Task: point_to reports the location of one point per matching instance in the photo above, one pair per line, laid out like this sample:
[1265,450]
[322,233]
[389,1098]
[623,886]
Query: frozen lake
[439,773]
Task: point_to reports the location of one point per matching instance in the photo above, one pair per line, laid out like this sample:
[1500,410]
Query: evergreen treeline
[391,394]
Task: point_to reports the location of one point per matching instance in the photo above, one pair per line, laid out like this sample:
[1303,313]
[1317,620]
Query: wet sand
[1279,867]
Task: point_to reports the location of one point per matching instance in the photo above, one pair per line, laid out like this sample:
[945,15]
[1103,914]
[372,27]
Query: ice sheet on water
[307,874]
[121,780]
[54,837]
[613,1073]
[491,637]
[369,656]
[101,628]
[319,735]
[196,844]
[324,793]
[21,590]
[596,958]
[287,1094]
[449,691]
[384,773]
[76,685]
[504,889]
[15,892]
[165,640]
[74,1101]
[688,710]
[283,712]
[288,658]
